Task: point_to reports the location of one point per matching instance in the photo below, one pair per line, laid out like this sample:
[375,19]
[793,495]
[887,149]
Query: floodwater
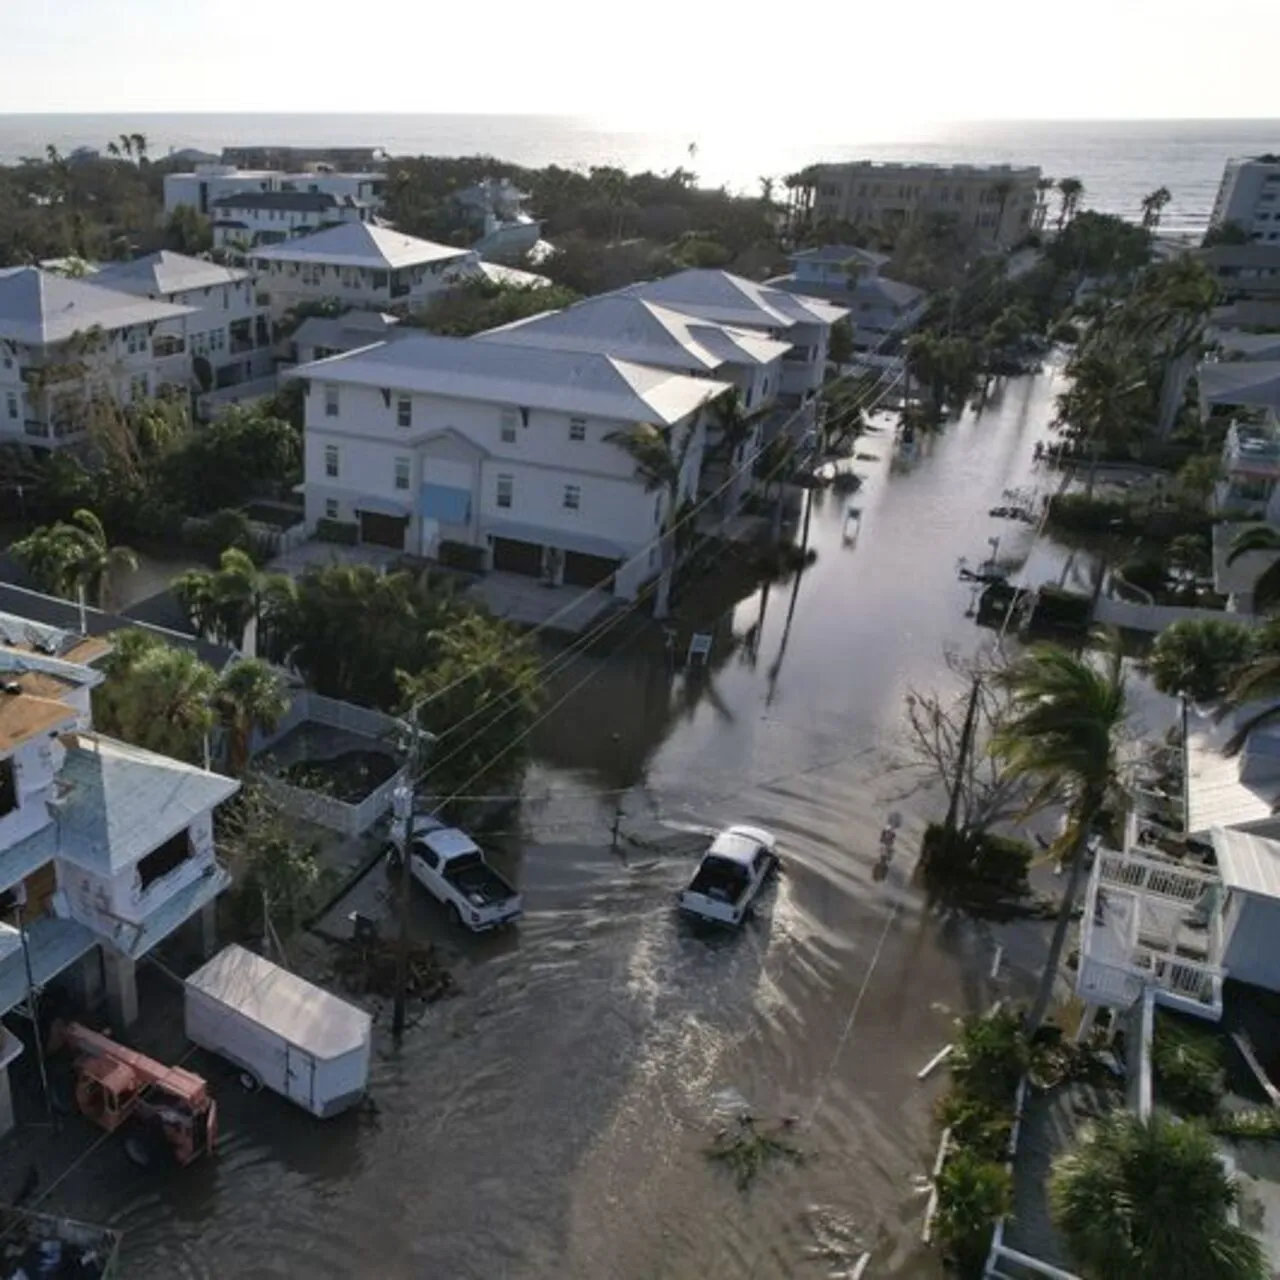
[551,1121]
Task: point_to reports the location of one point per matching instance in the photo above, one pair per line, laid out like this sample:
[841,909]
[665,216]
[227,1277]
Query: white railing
[1151,874]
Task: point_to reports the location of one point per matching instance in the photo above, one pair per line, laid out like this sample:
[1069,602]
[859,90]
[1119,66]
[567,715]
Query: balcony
[1152,921]
[1252,450]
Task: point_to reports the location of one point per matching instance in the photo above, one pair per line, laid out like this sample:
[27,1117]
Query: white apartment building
[209,183]
[359,265]
[251,218]
[425,439]
[105,849]
[65,341]
[996,201]
[630,328]
[1249,196]
[721,298]
[226,329]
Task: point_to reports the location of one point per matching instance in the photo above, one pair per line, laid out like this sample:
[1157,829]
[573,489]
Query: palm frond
[1260,537]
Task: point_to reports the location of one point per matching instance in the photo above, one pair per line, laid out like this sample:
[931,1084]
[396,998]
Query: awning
[382,507]
[445,503]
[565,539]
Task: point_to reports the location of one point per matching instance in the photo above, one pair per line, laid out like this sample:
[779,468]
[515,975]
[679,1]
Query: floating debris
[367,967]
[746,1149]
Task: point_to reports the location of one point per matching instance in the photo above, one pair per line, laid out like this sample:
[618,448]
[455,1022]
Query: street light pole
[402,807]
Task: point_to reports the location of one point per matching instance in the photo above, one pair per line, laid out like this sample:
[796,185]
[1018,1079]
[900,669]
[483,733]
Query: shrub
[974,859]
[991,1055]
[1189,1069]
[1145,572]
[1257,1123]
[973,1194]
[461,555]
[344,532]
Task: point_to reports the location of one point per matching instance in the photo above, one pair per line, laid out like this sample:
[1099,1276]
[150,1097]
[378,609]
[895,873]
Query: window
[509,421]
[331,461]
[168,857]
[331,508]
[404,412]
[8,787]
[331,402]
[577,428]
[12,401]
[505,488]
[572,497]
[402,473]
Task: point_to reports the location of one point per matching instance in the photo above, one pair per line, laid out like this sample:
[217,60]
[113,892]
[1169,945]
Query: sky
[816,68]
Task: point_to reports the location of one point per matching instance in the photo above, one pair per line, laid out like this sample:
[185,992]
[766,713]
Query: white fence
[309,707]
[1156,617]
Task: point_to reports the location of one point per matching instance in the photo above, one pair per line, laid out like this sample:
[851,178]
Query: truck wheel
[455,916]
[147,1148]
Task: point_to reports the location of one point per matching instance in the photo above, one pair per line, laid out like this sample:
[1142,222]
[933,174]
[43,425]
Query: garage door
[512,556]
[381,530]
[581,570]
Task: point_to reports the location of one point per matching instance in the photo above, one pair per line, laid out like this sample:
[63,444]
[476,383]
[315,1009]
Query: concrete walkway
[529,602]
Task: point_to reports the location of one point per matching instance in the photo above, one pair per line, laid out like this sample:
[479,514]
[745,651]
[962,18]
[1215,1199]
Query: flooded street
[551,1120]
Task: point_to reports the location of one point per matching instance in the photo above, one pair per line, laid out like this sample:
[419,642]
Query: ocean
[1118,161]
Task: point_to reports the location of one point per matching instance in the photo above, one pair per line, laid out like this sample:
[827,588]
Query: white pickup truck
[731,875]
[449,865]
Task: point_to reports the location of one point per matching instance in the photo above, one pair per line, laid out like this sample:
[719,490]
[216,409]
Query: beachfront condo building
[1249,197]
[997,202]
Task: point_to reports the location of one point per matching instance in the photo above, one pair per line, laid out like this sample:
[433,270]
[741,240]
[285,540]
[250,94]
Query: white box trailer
[301,1042]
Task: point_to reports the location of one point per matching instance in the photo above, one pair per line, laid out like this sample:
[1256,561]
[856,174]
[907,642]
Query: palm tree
[1266,586]
[1151,1200]
[221,604]
[1071,190]
[1153,207]
[1064,717]
[156,696]
[66,558]
[126,145]
[766,191]
[139,141]
[250,695]
[1001,189]
[660,464]
[1043,187]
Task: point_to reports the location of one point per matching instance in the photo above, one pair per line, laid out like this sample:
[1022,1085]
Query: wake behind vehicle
[731,875]
[451,867]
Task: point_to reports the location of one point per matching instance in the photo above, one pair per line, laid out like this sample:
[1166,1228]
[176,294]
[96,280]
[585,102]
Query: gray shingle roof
[166,272]
[358,244]
[297,201]
[37,308]
[724,298]
[119,802]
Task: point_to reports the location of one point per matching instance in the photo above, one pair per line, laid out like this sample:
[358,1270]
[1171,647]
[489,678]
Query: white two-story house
[227,329]
[357,265]
[65,342]
[105,849]
[719,296]
[642,332]
[206,184]
[426,440]
[253,218]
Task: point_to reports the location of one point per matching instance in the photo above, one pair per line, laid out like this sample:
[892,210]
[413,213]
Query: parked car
[450,866]
[731,875]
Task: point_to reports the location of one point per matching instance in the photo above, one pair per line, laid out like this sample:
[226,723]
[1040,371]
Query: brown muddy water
[551,1120]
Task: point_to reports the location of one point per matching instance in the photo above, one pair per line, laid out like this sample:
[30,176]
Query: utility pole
[33,1005]
[962,761]
[402,807]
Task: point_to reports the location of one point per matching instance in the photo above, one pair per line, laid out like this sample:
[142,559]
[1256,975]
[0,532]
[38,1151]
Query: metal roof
[293,1008]
[633,328]
[725,298]
[37,308]
[1216,794]
[495,372]
[1248,861]
[119,802]
[166,272]
[360,244]
[53,944]
[1240,382]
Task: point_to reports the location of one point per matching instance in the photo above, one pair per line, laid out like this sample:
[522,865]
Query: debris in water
[368,967]
[746,1150]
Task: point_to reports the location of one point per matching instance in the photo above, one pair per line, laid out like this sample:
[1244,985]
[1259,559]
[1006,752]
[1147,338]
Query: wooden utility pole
[962,760]
[403,805]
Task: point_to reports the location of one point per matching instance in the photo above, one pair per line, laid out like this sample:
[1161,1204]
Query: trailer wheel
[147,1148]
[249,1082]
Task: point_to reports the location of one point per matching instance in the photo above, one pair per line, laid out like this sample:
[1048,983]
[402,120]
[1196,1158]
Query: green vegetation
[973,1195]
[1199,658]
[1062,731]
[972,868]
[65,559]
[1150,1200]
[1189,1066]
[478,305]
[746,1150]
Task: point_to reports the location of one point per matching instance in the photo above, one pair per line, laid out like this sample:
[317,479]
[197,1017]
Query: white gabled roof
[632,328]
[167,272]
[575,382]
[37,308]
[724,298]
[360,244]
[1248,861]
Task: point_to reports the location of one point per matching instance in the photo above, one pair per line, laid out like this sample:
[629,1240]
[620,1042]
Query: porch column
[6,1103]
[121,977]
[208,929]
